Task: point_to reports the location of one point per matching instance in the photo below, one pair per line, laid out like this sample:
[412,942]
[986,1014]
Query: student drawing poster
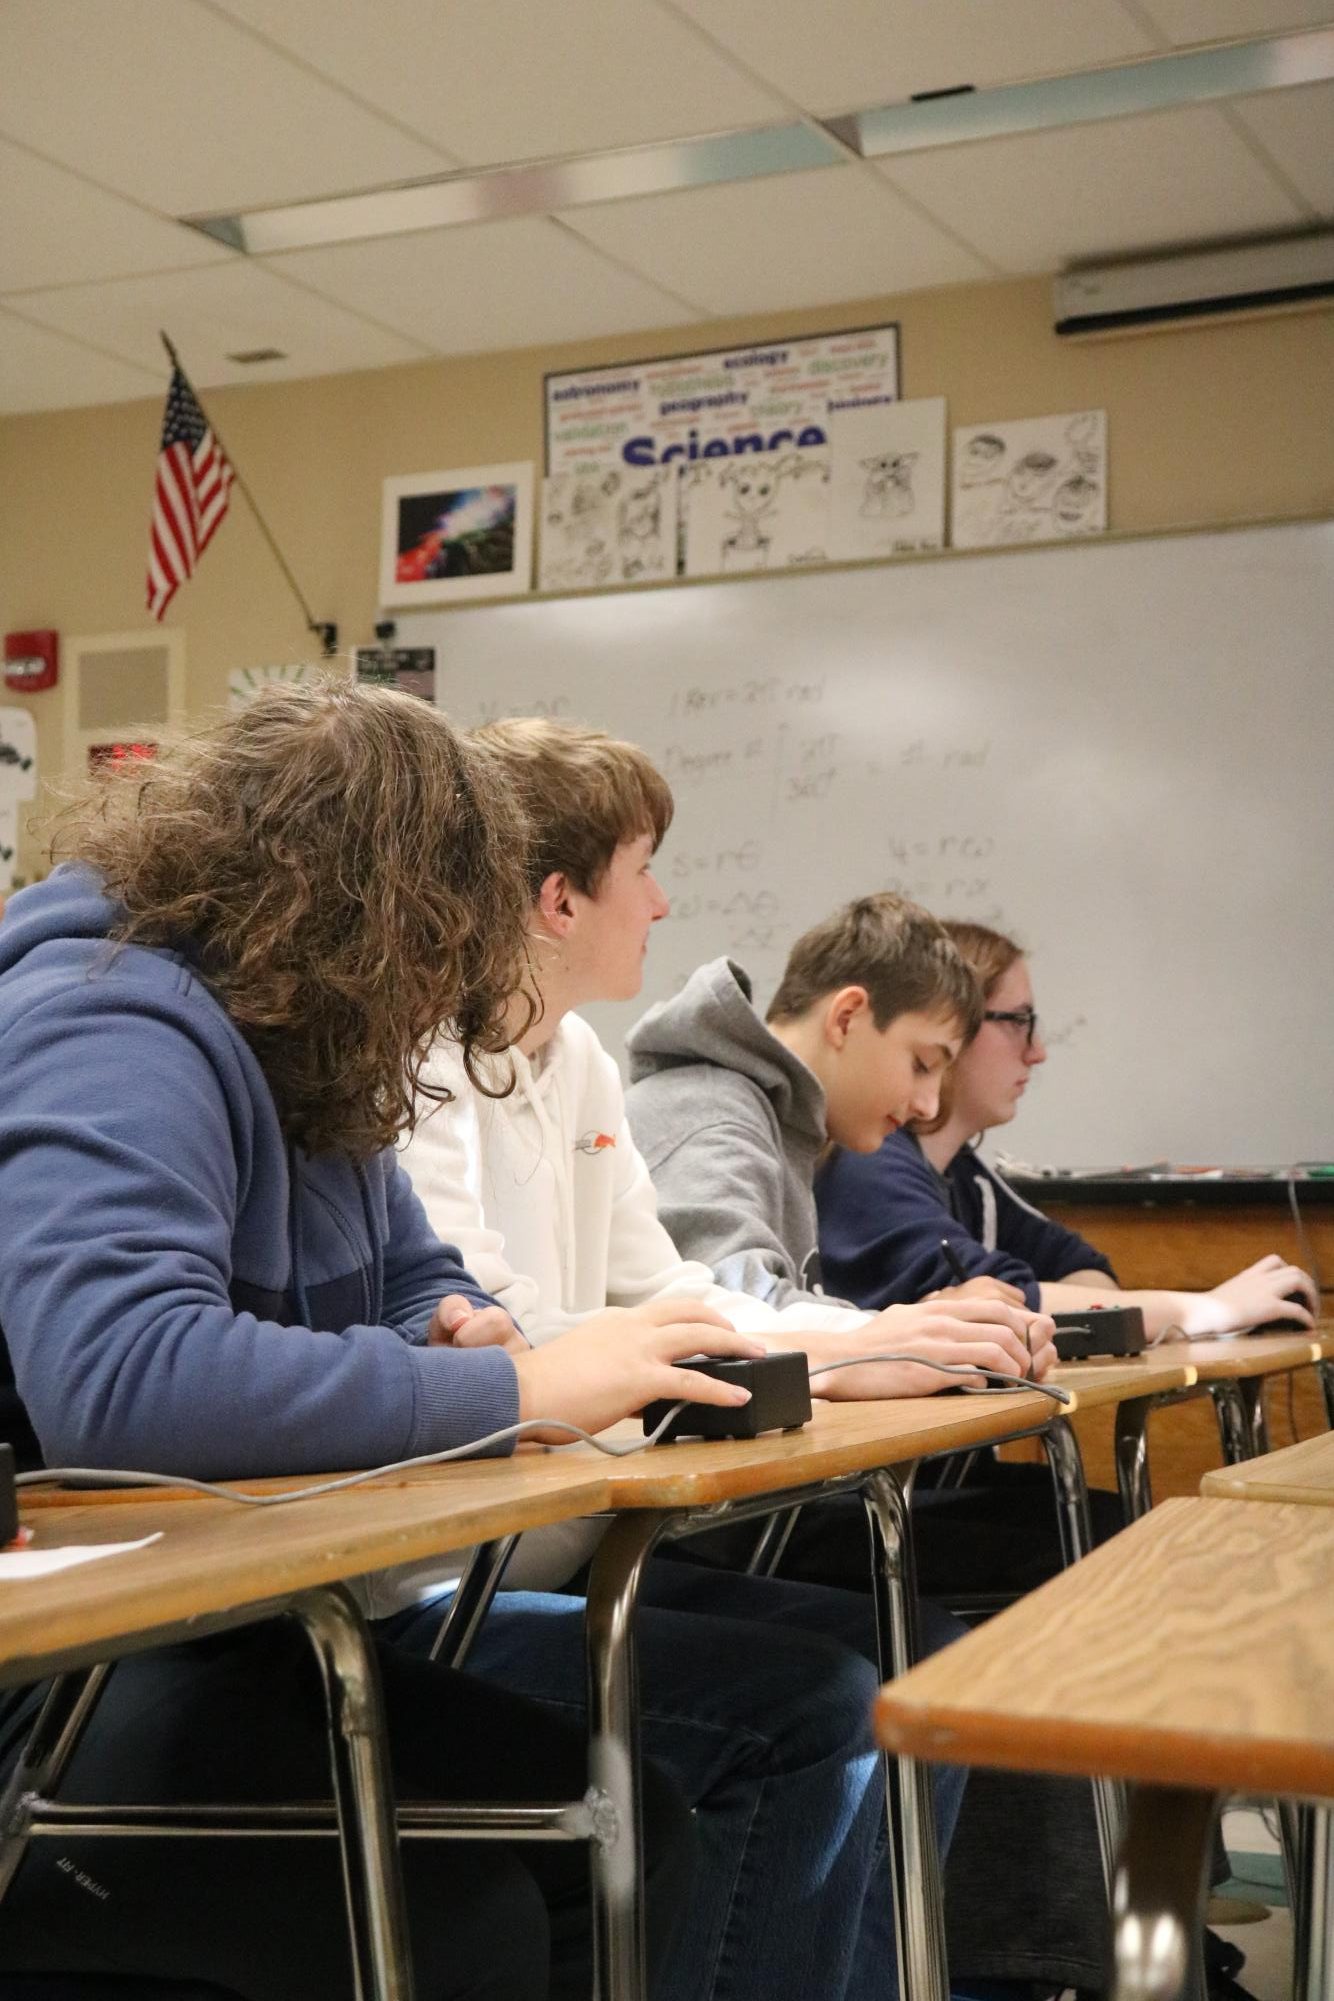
[1036,480]
[9,840]
[887,479]
[607,525]
[18,755]
[757,511]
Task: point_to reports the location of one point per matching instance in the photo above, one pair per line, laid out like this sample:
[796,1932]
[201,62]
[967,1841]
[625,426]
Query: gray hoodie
[731,1124]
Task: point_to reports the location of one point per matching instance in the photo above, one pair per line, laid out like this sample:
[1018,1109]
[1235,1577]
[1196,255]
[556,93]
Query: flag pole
[324,629]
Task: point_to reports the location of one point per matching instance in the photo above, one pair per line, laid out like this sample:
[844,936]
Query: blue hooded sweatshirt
[883,1215]
[180,1290]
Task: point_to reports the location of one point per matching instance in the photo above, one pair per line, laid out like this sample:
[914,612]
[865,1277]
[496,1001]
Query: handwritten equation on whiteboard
[766,769]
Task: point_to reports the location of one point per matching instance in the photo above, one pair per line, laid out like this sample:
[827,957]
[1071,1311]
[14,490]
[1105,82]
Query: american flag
[190,497]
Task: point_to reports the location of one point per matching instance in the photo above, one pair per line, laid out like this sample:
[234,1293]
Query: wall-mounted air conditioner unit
[1200,284]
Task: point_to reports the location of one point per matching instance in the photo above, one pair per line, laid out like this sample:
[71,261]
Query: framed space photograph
[453,535]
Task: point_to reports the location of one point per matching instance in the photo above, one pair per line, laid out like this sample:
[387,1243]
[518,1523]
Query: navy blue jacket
[883,1215]
[180,1291]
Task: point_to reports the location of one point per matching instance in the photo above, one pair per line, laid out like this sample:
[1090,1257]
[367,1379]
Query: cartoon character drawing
[578,528]
[887,494]
[755,508]
[754,490]
[1054,487]
[1025,509]
[1076,506]
[596,563]
[981,459]
[639,531]
[1031,479]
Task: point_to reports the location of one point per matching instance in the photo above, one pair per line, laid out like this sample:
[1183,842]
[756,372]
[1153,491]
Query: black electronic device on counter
[9,1500]
[780,1398]
[1100,1330]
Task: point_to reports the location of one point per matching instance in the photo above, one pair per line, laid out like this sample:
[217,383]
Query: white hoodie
[549,1202]
[551,1208]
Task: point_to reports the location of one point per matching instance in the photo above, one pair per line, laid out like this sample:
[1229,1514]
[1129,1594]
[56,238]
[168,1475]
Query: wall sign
[714,405]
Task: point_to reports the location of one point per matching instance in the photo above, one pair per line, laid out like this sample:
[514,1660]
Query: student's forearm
[1196,1314]
[1100,1281]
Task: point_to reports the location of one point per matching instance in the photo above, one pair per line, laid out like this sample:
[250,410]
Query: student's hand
[1028,1338]
[1010,1340]
[617,1361]
[457,1323]
[981,1288]
[1260,1293]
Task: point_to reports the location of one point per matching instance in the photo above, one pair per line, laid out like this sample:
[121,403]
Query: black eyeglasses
[1023,1018]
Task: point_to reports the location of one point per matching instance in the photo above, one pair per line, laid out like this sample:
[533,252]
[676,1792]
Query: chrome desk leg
[1294,1832]
[1252,1390]
[1158,1900]
[1233,1424]
[369,1840]
[613,1752]
[919,1913]
[1072,1514]
[61,1721]
[1313,1918]
[772,1541]
[471,1601]
[1072,1495]
[1132,1457]
[1325,1371]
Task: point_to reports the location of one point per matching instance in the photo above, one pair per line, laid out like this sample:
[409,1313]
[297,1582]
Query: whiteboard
[1120,751]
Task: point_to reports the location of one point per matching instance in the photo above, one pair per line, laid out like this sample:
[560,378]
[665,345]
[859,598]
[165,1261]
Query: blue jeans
[769,1738]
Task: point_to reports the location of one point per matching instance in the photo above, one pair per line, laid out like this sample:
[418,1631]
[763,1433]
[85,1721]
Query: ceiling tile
[46,371]
[847,55]
[791,240]
[1296,129]
[491,285]
[515,80]
[1042,199]
[215,312]
[1220,20]
[56,229]
[184,111]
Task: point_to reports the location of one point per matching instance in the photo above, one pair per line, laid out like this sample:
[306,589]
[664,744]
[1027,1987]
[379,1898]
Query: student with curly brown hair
[213,1019]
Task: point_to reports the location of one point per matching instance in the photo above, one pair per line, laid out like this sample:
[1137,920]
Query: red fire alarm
[32,661]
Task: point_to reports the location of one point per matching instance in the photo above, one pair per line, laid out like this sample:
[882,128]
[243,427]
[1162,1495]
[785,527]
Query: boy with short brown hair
[733,1112]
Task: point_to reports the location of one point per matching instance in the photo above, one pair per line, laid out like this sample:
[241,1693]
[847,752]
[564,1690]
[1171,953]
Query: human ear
[555,904]
[841,1011]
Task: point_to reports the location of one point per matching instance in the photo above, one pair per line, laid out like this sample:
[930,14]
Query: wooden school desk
[1235,1373]
[1191,1656]
[218,1565]
[1303,1474]
[673,1491]
[870,1448]
[1246,1362]
[1128,1390]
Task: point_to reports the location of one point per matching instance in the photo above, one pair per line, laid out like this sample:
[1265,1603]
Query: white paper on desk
[18,1564]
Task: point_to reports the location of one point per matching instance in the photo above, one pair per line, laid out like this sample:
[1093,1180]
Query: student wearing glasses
[884,1217]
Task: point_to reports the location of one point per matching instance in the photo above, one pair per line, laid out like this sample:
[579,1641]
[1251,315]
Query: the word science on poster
[719,404]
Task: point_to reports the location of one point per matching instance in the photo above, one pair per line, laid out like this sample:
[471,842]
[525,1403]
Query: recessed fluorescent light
[533,188]
[933,118]
[1157,83]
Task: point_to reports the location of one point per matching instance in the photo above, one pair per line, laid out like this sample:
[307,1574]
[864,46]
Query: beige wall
[1205,424]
